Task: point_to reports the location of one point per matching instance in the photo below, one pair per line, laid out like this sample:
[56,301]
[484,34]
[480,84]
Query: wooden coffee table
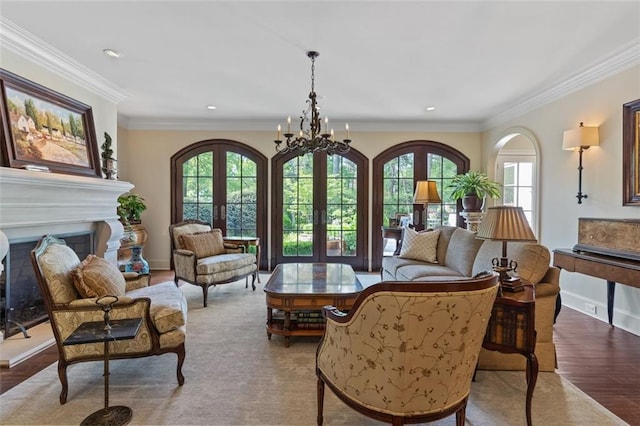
[296,293]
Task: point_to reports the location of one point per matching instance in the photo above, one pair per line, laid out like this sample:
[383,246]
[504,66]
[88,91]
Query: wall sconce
[426,192]
[581,138]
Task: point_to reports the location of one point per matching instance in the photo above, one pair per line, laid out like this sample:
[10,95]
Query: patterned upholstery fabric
[204,244]
[95,277]
[420,245]
[190,228]
[407,353]
[55,264]
[226,275]
[225,263]
[168,306]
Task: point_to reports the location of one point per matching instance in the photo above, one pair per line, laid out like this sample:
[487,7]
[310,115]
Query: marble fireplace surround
[33,204]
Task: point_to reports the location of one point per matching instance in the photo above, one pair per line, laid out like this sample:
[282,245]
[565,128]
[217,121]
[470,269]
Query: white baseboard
[621,319]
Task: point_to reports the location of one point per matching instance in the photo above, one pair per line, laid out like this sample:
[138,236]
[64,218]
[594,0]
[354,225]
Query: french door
[320,209]
[223,183]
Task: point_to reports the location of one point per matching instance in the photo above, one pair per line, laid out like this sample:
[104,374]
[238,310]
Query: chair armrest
[183,252]
[334,314]
[135,280]
[91,302]
[234,248]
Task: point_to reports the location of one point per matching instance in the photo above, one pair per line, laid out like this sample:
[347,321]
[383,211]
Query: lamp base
[512,284]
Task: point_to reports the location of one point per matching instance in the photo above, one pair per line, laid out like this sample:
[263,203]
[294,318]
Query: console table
[246,242]
[511,329]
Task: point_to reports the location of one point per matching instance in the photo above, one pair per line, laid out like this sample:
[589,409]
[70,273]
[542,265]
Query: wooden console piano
[607,249]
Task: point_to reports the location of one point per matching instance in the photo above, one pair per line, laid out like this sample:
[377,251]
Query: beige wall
[597,105]
[145,161]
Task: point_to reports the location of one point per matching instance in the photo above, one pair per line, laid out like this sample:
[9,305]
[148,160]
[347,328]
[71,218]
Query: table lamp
[426,192]
[506,223]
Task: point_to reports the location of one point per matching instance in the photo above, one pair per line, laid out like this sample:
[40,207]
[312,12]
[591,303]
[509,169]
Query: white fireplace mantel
[33,204]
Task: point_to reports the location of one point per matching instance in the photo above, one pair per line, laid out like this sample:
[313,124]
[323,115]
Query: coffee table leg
[269,322]
[287,327]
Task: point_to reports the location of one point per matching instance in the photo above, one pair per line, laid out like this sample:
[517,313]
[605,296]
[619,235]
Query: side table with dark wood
[395,234]
[247,242]
[106,331]
[511,329]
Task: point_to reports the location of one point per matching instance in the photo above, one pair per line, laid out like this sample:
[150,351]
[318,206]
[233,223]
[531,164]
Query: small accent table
[246,242]
[94,332]
[303,289]
[511,329]
[395,234]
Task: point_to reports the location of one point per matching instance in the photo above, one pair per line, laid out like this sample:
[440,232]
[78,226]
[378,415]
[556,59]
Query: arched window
[224,183]
[395,173]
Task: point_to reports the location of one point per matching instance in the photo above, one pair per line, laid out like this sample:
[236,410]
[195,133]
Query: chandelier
[311,137]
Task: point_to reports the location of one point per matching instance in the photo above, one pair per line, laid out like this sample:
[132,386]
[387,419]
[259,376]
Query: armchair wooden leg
[320,401]
[461,415]
[181,355]
[62,374]
[253,280]
[205,293]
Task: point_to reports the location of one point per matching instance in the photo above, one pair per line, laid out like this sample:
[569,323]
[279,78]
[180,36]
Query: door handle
[215,212]
[223,212]
[315,217]
[323,217]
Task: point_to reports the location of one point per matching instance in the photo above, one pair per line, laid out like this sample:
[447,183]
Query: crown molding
[624,58]
[186,124]
[35,50]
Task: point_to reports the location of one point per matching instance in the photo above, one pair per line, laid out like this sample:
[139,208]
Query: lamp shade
[580,137]
[505,223]
[426,192]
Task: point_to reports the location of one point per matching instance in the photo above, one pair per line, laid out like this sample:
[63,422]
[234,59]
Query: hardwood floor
[600,360]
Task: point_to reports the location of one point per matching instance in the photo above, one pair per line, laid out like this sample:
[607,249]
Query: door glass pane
[398,187]
[197,188]
[241,187]
[341,209]
[297,207]
[442,170]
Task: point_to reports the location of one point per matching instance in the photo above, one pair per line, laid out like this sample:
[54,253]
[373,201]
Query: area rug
[235,376]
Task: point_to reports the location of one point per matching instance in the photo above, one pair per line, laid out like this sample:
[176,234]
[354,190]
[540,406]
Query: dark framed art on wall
[631,153]
[45,129]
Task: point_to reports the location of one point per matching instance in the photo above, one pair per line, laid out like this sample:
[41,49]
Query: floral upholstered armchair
[202,258]
[71,288]
[406,352]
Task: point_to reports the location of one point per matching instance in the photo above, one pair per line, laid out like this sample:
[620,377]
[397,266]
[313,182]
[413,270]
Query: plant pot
[472,203]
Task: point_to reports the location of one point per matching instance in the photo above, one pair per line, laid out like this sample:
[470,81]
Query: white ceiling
[381,62]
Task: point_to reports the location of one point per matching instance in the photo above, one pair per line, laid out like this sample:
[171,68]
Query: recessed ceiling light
[431,108]
[111,53]
[211,107]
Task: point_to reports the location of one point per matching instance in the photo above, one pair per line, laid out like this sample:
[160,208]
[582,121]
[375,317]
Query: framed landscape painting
[43,129]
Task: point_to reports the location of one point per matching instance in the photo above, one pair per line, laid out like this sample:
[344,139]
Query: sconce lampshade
[505,223]
[580,137]
[426,192]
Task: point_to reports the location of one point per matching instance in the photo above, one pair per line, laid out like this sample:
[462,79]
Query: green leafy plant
[473,183]
[130,208]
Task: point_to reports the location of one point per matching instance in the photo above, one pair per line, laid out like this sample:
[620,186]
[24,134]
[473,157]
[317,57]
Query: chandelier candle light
[311,137]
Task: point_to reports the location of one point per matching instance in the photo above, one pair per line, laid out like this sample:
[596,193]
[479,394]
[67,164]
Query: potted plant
[472,187]
[130,208]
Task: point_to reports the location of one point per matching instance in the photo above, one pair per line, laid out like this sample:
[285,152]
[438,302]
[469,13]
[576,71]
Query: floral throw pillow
[420,245]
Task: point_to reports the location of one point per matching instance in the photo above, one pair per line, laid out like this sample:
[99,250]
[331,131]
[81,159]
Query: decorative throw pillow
[420,245]
[204,244]
[95,277]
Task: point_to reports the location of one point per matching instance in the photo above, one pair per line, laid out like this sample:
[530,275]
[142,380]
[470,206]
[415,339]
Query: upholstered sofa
[73,290]
[456,253]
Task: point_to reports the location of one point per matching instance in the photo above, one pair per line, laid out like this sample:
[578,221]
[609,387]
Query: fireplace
[33,204]
[21,302]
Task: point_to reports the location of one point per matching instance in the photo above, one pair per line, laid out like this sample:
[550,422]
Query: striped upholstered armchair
[71,289]
[202,258]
